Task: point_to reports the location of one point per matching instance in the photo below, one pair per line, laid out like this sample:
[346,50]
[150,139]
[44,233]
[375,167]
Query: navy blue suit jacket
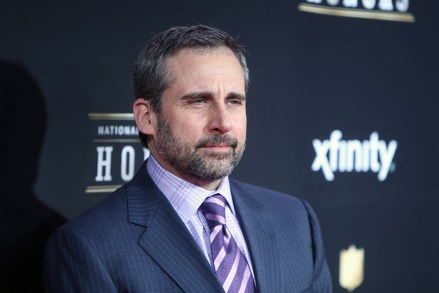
[134,241]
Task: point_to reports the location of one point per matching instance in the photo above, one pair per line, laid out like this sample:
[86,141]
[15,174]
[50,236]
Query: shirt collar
[185,197]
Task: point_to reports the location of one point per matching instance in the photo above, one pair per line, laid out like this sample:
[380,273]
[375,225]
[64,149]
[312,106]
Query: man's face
[201,130]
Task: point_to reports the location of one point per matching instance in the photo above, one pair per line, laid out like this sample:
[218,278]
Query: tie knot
[213,209]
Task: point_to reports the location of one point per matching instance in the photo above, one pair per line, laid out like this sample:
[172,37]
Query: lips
[219,149]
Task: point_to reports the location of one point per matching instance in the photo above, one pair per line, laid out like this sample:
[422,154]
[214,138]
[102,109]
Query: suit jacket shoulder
[284,238]
[133,241]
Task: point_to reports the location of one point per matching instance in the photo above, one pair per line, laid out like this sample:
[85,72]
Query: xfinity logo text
[335,154]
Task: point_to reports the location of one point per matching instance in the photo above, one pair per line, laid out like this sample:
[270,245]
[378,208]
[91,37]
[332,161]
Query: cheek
[189,129]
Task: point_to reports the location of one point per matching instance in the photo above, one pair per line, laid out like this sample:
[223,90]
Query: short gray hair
[149,77]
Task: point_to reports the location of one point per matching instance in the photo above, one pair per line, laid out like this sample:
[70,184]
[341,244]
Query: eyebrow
[205,95]
[233,95]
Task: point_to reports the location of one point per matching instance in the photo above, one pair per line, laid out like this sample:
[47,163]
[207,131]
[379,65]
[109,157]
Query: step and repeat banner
[342,111]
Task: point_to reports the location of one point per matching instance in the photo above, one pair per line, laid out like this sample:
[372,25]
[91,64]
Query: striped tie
[229,262]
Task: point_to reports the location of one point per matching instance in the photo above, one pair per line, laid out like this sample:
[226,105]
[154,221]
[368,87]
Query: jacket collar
[166,239]
[260,236]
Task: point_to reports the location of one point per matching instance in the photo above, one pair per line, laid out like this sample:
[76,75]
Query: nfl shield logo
[351,267]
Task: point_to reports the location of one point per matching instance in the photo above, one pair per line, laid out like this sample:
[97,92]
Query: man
[181,224]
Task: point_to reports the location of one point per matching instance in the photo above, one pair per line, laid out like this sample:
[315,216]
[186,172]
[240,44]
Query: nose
[219,120]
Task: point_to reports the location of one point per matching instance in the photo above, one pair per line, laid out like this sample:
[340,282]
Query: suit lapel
[260,238]
[166,238]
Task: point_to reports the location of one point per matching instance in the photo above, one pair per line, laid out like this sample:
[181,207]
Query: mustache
[217,140]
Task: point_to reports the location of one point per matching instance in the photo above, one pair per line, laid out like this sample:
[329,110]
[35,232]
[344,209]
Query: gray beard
[185,160]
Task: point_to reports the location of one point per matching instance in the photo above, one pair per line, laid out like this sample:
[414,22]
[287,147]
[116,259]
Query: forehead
[203,64]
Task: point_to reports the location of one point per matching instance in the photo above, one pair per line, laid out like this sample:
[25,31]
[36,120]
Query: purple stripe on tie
[230,264]
[215,219]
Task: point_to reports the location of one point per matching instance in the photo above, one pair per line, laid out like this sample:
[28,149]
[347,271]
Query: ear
[144,116]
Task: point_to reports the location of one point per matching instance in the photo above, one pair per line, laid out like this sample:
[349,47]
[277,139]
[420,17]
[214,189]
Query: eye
[235,101]
[198,101]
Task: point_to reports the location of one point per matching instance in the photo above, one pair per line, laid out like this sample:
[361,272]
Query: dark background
[310,74]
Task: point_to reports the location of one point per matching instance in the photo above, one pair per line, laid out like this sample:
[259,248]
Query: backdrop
[342,111]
